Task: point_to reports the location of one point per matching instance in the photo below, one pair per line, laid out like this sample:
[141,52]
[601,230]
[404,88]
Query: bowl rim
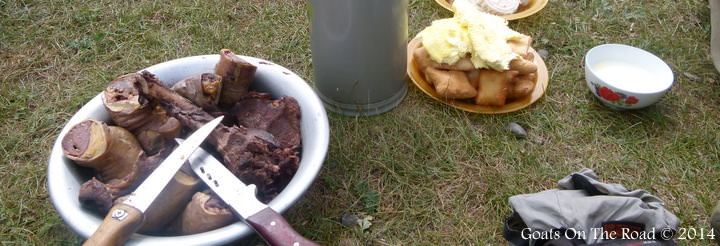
[588,60]
[310,163]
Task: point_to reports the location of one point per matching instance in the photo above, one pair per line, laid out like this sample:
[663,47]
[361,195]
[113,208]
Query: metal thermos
[359,54]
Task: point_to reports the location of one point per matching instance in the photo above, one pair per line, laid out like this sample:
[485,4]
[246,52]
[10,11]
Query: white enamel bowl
[624,77]
[64,178]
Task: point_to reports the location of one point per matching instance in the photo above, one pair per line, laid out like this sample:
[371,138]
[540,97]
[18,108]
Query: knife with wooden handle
[125,218]
[241,198]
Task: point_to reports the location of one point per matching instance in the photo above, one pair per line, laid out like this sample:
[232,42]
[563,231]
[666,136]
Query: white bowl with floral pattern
[625,77]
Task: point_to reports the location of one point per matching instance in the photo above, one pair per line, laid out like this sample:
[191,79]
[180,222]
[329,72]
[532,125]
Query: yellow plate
[524,11]
[541,83]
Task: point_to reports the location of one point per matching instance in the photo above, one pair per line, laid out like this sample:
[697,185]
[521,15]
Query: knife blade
[125,218]
[270,225]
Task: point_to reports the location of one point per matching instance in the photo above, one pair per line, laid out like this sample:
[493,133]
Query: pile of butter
[484,36]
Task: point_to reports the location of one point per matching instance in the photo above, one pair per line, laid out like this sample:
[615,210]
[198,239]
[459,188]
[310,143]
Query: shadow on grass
[653,121]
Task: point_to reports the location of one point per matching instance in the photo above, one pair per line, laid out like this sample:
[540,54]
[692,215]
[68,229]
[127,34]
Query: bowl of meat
[274,135]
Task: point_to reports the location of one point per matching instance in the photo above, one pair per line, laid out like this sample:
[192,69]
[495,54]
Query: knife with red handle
[241,198]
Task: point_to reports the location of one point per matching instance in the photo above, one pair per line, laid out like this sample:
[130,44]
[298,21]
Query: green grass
[427,173]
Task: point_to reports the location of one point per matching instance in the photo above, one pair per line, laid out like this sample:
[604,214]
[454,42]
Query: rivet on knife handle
[121,222]
[276,230]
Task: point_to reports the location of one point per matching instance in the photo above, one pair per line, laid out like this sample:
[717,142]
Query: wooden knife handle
[276,230]
[117,227]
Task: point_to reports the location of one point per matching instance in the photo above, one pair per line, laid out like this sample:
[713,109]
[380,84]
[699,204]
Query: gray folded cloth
[588,206]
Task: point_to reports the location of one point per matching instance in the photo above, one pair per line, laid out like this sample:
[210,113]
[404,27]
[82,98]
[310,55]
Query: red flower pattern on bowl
[631,100]
[608,94]
[614,98]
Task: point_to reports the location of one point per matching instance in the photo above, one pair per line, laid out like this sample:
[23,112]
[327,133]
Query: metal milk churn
[359,54]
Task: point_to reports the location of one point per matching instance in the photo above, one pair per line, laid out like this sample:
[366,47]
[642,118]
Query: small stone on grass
[516,130]
[543,53]
[349,219]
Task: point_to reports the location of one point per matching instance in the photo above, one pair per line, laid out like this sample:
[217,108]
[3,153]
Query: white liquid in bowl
[628,77]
